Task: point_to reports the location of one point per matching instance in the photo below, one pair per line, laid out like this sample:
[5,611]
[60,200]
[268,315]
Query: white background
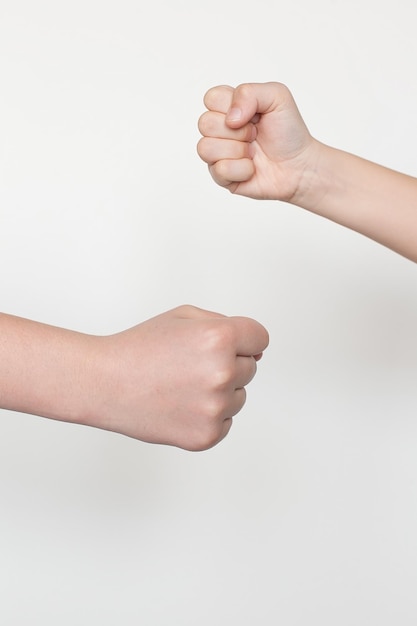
[306,514]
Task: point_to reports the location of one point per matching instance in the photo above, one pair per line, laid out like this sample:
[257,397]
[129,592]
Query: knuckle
[185,310]
[219,336]
[224,377]
[280,87]
[215,410]
[244,89]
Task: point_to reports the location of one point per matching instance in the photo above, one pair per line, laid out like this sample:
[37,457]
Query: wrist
[314,178]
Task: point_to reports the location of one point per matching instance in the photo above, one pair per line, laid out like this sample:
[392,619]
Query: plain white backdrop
[306,514]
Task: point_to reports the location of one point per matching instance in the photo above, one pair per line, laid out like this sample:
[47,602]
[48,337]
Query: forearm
[44,370]
[368,198]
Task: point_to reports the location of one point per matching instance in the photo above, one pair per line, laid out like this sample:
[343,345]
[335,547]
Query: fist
[254,140]
[178,378]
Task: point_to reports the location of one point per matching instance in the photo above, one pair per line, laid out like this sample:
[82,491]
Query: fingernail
[234,115]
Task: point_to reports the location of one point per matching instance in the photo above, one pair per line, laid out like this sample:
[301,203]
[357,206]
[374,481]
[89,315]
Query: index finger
[219,98]
[252,337]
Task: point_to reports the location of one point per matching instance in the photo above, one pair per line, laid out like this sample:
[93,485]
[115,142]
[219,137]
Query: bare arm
[176,379]
[368,198]
[257,144]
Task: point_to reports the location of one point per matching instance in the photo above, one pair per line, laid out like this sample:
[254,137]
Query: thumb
[188,311]
[253,99]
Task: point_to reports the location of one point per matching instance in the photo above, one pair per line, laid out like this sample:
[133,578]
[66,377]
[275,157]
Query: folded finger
[211,149]
[230,171]
[219,98]
[245,371]
[213,124]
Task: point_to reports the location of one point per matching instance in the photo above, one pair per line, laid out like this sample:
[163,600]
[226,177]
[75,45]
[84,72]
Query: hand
[255,141]
[178,378]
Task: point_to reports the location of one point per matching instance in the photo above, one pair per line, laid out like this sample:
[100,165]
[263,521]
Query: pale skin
[176,379]
[256,144]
